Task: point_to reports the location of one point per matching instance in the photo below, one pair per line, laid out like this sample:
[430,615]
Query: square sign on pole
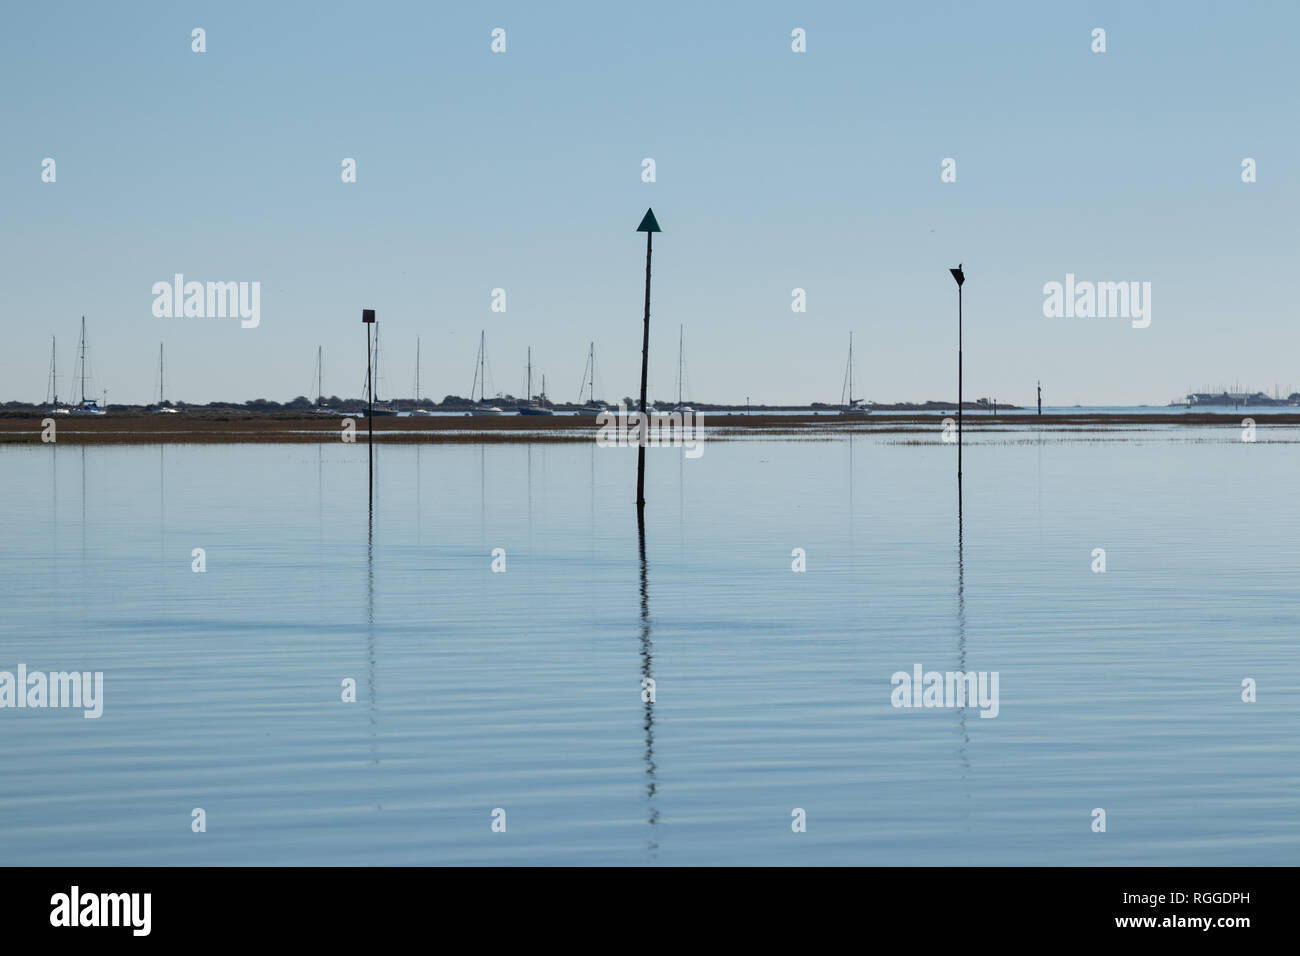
[367,315]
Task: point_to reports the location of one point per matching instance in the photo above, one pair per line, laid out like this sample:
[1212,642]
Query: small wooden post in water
[649,225]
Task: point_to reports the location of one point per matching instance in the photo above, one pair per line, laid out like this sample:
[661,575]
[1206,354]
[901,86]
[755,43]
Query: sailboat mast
[318,377]
[850,368]
[482,374]
[54,381]
[161,393]
[529,387]
[83,360]
[591,382]
[681,357]
[417,370]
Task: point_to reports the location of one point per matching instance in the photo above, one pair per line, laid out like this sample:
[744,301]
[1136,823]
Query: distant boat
[534,405]
[855,406]
[162,408]
[482,406]
[378,407]
[592,407]
[681,371]
[320,407]
[418,411]
[53,392]
[88,406]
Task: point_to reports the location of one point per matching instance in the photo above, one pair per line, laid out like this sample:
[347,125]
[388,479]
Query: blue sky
[775,170]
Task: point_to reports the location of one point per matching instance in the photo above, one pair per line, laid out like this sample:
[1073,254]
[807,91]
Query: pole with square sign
[960,278]
[368,317]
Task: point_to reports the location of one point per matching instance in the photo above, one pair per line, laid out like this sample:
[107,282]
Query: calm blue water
[522,690]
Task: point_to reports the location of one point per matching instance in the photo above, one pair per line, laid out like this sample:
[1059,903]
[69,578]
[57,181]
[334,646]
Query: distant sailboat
[534,406]
[52,393]
[418,410]
[855,406]
[482,407]
[589,383]
[379,406]
[163,408]
[321,408]
[88,406]
[681,370]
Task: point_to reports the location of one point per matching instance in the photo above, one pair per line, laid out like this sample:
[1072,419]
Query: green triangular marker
[649,223]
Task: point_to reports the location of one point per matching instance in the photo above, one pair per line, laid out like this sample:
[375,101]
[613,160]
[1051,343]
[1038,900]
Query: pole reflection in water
[529,449]
[54,528]
[962,755]
[54,504]
[85,598]
[162,511]
[850,487]
[681,502]
[370,628]
[320,513]
[647,678]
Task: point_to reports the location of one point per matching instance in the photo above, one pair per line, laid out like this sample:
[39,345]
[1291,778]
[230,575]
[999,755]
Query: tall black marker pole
[649,226]
[368,317]
[960,277]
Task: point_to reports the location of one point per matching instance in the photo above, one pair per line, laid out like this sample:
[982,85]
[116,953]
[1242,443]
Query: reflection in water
[162,510]
[681,502]
[961,633]
[83,589]
[647,661]
[850,488]
[54,507]
[1038,494]
[529,447]
[370,626]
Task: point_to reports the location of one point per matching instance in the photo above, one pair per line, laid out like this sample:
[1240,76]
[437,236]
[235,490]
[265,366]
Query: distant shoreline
[253,427]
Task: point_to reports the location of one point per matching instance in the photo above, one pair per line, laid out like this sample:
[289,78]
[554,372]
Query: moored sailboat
[592,407]
[52,393]
[681,370]
[378,407]
[418,410]
[162,408]
[88,406]
[855,406]
[482,406]
[534,405]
